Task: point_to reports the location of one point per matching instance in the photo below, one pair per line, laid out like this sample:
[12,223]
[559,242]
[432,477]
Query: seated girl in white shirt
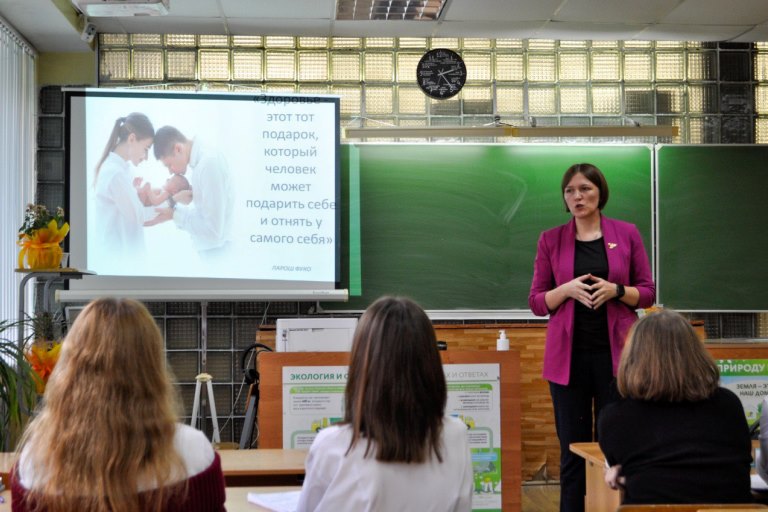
[395,449]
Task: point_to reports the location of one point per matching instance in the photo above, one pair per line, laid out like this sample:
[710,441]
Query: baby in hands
[157,196]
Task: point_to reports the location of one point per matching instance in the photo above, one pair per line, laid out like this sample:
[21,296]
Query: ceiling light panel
[382,10]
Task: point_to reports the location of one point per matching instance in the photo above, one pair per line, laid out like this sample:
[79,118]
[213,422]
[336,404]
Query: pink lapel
[567,251]
[612,248]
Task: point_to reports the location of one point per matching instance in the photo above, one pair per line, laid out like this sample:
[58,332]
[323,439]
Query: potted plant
[15,374]
[40,237]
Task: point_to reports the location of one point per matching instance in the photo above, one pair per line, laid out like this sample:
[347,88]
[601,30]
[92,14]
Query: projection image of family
[197,198]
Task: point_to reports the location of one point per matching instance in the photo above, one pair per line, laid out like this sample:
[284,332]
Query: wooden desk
[237,497]
[237,500]
[599,497]
[263,467]
[240,467]
[7,460]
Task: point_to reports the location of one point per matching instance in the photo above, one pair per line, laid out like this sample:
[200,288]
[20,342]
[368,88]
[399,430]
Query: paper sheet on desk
[758,484]
[276,501]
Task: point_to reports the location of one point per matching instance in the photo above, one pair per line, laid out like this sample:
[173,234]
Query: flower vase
[41,249]
[41,257]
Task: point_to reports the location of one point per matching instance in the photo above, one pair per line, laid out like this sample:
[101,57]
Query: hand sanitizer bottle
[502,343]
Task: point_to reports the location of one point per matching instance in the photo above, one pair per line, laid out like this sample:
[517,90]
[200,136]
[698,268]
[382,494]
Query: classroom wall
[63,69]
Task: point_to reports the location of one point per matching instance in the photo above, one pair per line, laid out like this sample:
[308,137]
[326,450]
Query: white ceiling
[46,28]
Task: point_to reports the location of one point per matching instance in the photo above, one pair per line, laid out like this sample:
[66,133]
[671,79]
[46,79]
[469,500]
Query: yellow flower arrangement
[40,236]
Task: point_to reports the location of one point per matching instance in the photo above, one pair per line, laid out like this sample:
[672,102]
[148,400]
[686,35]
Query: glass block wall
[706,89]
[761,99]
[715,93]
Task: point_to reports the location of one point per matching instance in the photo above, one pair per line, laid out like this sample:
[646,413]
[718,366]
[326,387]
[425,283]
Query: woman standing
[676,436]
[120,213]
[107,436]
[395,449]
[589,276]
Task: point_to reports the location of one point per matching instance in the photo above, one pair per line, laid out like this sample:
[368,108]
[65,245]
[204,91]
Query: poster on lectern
[313,399]
[748,379]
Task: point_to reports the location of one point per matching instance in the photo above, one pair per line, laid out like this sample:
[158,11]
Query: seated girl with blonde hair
[107,436]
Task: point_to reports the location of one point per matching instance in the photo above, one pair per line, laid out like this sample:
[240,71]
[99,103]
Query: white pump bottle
[503,342]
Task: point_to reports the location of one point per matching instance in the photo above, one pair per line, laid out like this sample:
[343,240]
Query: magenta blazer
[627,264]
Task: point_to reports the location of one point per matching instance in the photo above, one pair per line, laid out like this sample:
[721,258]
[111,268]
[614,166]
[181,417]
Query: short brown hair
[396,391]
[593,174]
[665,360]
[164,140]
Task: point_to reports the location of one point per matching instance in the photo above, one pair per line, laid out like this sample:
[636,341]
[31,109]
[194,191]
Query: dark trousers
[591,387]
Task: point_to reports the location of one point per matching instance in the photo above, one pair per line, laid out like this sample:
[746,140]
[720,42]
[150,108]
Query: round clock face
[441,73]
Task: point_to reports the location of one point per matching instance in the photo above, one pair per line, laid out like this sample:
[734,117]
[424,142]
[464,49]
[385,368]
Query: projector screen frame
[153,287]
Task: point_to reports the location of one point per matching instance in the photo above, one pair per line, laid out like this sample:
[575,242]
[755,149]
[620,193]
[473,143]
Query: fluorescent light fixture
[117,8]
[380,10]
[425,132]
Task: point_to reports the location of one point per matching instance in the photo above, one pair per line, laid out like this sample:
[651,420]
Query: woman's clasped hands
[590,290]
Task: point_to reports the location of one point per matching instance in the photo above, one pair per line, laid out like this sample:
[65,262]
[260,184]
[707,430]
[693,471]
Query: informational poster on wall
[313,398]
[748,379]
[474,397]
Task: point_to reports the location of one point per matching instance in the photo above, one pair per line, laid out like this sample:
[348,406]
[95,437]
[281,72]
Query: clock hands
[448,71]
[441,74]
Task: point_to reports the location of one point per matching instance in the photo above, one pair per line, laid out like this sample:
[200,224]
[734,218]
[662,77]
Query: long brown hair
[135,123]
[665,360]
[108,420]
[396,392]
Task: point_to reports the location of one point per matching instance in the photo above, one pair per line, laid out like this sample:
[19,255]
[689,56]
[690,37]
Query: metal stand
[50,276]
[205,377]
[251,376]
[246,437]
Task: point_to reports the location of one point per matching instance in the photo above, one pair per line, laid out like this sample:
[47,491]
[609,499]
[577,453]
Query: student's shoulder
[621,410]
[194,448]
[330,447]
[332,435]
[454,426]
[727,397]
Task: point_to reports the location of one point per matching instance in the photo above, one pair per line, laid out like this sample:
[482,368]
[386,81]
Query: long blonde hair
[109,417]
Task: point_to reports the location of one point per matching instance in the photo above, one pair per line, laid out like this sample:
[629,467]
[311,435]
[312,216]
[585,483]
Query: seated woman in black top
[676,436]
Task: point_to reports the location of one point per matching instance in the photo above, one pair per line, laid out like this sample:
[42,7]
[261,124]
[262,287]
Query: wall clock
[441,73]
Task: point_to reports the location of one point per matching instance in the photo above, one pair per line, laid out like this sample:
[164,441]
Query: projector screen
[174,191]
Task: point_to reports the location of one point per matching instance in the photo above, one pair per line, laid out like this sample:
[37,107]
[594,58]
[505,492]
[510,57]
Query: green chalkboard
[455,226]
[712,235]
